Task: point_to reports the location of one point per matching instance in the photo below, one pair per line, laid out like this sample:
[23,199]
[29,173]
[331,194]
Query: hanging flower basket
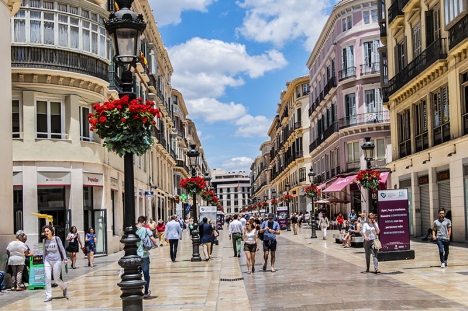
[369,179]
[312,192]
[125,125]
[193,185]
[287,198]
[274,201]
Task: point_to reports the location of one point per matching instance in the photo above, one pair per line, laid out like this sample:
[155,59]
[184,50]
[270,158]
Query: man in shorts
[270,230]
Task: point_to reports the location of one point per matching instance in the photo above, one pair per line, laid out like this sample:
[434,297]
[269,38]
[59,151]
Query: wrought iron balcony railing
[458,32]
[347,73]
[39,57]
[435,51]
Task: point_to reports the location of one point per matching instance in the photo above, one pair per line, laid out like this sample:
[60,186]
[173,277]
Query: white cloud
[250,126]
[211,110]
[168,12]
[205,68]
[280,21]
[237,164]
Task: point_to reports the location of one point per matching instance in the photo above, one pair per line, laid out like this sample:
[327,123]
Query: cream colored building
[60,68]
[7,9]
[424,81]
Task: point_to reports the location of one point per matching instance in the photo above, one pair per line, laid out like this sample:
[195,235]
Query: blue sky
[231,61]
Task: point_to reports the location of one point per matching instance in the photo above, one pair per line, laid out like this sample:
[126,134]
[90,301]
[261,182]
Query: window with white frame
[347,62]
[16,118]
[50,119]
[373,103]
[416,40]
[59,25]
[352,152]
[369,16]
[379,151]
[85,133]
[453,9]
[347,23]
[371,57]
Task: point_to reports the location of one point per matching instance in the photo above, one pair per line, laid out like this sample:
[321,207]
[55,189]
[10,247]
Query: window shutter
[375,59]
[367,56]
[350,56]
[405,54]
[397,59]
[429,28]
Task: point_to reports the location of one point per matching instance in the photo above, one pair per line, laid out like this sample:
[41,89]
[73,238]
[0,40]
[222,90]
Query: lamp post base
[195,243]
[131,284]
[313,229]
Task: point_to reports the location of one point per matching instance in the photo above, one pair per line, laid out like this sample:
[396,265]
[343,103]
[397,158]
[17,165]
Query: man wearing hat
[160,228]
[270,230]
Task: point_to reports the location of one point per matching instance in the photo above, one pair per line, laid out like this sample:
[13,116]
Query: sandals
[248,272]
[19,289]
[264,267]
[377,271]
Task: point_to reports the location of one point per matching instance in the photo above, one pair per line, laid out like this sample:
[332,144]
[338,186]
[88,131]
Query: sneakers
[442,265]
[147,295]
[47,299]
[65,292]
[446,264]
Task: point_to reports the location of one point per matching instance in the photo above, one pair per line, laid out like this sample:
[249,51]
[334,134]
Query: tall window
[420,124]
[85,133]
[16,118]
[369,16]
[347,23]
[432,25]
[49,119]
[347,62]
[373,102]
[19,26]
[440,109]
[464,102]
[453,8]
[416,40]
[404,133]
[400,60]
[371,57]
[352,152]
[350,108]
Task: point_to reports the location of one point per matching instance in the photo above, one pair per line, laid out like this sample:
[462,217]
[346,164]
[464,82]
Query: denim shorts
[269,245]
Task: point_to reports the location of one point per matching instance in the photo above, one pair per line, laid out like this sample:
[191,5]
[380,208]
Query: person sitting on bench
[353,232]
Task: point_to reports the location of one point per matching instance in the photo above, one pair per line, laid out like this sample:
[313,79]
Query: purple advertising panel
[394,219]
[219,220]
[282,216]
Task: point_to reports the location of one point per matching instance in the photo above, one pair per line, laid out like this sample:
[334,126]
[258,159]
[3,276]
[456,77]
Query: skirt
[73,247]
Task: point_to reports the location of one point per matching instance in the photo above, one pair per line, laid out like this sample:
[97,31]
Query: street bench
[357,241]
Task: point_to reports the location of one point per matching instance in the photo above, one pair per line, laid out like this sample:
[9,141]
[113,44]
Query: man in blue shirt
[142,232]
[2,280]
[352,215]
[172,234]
[270,230]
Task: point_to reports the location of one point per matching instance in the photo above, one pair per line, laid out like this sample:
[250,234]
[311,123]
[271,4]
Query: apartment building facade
[424,81]
[232,189]
[346,105]
[61,66]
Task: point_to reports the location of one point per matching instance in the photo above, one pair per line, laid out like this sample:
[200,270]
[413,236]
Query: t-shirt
[90,238]
[442,228]
[152,225]
[142,232]
[267,236]
[294,220]
[16,249]
[52,249]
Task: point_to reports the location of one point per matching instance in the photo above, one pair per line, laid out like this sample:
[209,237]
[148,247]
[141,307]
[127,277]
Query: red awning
[383,177]
[340,183]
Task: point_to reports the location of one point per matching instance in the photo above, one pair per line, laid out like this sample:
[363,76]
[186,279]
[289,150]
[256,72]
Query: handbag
[377,244]
[83,249]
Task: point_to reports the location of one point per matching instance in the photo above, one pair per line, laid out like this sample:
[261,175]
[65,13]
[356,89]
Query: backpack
[147,243]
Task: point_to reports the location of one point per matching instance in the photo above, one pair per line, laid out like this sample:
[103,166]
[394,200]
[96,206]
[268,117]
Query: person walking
[270,230]
[73,239]
[142,232]
[152,226]
[160,228]
[323,224]
[206,238]
[369,232]
[90,242]
[294,221]
[251,246]
[17,251]
[53,255]
[215,234]
[235,234]
[172,235]
[443,229]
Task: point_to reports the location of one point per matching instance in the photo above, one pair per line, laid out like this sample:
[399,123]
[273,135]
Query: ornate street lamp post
[125,28]
[193,155]
[273,196]
[368,148]
[312,212]
[287,205]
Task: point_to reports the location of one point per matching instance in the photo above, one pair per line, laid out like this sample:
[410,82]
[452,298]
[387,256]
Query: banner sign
[394,219]
[282,217]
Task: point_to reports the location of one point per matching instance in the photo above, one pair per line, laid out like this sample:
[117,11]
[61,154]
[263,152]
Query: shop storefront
[94,216]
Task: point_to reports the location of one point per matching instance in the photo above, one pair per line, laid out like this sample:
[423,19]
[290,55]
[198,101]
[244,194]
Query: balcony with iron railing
[297,125]
[441,133]
[370,69]
[364,118]
[458,33]
[395,10]
[435,51]
[56,59]
[333,128]
[404,148]
[422,141]
[347,73]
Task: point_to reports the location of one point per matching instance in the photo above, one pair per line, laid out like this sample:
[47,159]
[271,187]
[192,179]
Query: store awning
[322,185]
[340,183]
[383,177]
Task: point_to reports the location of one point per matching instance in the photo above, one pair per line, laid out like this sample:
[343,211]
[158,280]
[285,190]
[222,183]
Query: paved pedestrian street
[312,274]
